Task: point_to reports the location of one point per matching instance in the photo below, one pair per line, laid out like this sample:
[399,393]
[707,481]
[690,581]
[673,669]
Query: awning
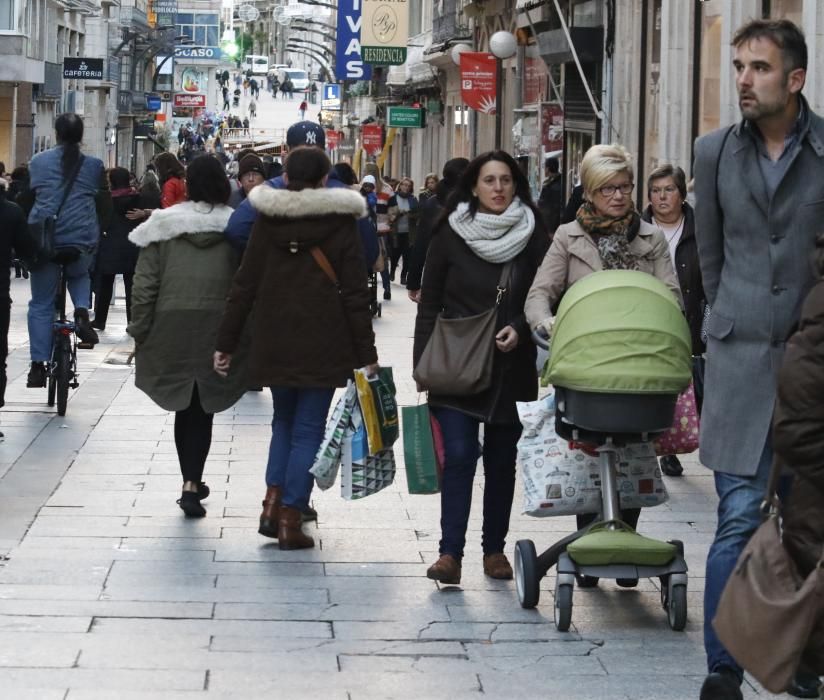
[416,72]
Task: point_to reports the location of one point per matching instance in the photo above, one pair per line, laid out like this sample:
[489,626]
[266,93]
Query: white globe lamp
[503,44]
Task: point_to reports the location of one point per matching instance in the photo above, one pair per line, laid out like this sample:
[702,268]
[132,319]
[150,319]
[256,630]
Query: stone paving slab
[108,593]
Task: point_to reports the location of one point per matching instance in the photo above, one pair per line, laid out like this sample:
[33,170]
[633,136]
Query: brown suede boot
[497,566]
[271,511]
[290,536]
[446,570]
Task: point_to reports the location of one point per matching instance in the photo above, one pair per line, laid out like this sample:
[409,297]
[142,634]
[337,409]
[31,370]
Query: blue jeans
[739,500]
[460,436]
[43,282]
[297,430]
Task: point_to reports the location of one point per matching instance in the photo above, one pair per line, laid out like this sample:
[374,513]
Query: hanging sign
[478,71]
[372,138]
[552,126]
[332,139]
[405,117]
[83,68]
[385,32]
[349,64]
[184,100]
[330,96]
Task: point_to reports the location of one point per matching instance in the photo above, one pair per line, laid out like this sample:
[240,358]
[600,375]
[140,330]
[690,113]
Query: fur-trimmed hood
[181,219]
[307,203]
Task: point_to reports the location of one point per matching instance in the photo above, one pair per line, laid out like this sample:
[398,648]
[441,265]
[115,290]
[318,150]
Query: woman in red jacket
[172,177]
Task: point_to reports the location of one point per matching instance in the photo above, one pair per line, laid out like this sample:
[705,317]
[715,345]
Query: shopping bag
[420,457]
[327,460]
[361,473]
[682,437]
[376,396]
[561,480]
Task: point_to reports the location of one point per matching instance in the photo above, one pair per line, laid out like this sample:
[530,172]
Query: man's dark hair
[306,167]
[453,169]
[206,181]
[120,178]
[68,129]
[673,171]
[553,165]
[784,34]
[344,173]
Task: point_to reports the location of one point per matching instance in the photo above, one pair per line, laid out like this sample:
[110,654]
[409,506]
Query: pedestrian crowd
[237,281]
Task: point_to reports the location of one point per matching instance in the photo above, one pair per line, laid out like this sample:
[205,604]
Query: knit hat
[306,134]
[250,164]
[368,180]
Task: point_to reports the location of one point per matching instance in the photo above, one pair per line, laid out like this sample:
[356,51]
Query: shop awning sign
[83,68]
[385,32]
[478,77]
[185,100]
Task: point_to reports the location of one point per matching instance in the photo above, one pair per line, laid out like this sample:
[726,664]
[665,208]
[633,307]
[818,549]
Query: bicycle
[61,370]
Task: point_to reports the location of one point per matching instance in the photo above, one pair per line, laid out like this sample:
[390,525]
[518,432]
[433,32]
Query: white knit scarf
[496,238]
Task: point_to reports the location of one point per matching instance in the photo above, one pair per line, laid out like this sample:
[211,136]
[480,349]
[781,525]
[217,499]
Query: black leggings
[193,438]
[103,290]
[400,249]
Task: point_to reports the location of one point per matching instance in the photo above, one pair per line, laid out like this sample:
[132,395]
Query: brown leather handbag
[768,612]
[457,359]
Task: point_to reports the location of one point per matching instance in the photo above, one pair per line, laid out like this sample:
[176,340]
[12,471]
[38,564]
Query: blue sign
[152,102]
[209,52]
[348,62]
[330,97]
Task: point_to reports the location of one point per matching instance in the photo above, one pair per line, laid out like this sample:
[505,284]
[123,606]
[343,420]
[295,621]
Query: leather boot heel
[271,512]
[290,535]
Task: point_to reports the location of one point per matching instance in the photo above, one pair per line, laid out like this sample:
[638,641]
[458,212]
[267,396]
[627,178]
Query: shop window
[7,16]
[202,29]
[787,9]
[586,14]
[712,36]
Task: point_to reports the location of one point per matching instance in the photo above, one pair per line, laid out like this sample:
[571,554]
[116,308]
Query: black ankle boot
[37,376]
[190,504]
[83,327]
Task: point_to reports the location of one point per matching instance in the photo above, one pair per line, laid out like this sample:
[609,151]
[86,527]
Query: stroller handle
[541,338]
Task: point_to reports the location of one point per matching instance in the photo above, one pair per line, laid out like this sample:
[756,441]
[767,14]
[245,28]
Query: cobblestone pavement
[108,592]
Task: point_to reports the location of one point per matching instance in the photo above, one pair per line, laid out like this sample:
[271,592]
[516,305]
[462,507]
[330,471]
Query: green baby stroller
[620,356]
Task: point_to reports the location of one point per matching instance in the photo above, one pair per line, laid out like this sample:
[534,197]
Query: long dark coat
[116,255]
[306,332]
[755,264]
[459,283]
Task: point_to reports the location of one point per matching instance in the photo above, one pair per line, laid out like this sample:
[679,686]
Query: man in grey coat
[760,202]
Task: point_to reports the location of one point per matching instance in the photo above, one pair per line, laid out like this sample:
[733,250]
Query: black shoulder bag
[42,232]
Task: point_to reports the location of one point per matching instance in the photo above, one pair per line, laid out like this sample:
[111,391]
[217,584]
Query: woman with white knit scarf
[490,226]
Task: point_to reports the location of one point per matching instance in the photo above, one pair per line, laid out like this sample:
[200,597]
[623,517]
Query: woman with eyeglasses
[668,210]
[607,234]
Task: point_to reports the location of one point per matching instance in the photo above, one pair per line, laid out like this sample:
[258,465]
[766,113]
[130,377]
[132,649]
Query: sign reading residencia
[385,32]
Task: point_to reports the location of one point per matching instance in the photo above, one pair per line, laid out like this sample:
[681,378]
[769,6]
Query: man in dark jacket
[551,200]
[430,213]
[14,237]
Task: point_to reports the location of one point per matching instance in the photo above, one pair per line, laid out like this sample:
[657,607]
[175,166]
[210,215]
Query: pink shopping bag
[682,437]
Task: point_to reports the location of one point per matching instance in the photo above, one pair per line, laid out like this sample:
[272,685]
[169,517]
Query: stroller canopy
[620,331]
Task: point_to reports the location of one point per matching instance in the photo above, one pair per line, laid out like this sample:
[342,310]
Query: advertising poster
[372,138]
[478,71]
[385,32]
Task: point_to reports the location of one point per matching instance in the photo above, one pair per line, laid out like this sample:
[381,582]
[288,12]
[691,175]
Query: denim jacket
[78,223]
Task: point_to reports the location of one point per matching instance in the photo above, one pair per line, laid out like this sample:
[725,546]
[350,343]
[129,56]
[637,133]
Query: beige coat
[574,255]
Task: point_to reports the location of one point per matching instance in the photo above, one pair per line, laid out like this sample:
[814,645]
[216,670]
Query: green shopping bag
[419,451]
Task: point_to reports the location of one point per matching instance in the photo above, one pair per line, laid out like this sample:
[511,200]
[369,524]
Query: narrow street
[107,591]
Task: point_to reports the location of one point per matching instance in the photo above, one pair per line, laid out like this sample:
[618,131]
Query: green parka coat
[183,274]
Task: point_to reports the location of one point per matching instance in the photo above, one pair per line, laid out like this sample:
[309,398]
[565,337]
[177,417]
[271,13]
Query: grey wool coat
[756,262]
[183,275]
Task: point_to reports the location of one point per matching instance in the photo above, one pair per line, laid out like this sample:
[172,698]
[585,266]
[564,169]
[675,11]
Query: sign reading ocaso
[372,138]
[185,100]
[478,71]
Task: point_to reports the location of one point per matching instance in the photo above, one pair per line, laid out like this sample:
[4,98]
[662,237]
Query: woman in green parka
[183,274]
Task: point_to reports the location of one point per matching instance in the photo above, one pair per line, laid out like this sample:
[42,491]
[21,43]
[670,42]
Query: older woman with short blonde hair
[607,234]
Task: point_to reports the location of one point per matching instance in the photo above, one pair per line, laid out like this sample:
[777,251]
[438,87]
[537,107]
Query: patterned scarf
[612,236]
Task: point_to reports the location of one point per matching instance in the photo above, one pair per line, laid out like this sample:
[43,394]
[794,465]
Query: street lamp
[502,45]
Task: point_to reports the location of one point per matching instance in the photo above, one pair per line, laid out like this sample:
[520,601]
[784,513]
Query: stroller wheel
[586,581]
[677,607]
[526,574]
[563,606]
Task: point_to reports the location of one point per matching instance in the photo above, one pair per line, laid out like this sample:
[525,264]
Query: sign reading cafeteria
[83,68]
[184,100]
[385,32]
[478,81]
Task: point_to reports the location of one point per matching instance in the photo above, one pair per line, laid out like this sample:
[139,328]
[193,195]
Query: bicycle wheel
[63,376]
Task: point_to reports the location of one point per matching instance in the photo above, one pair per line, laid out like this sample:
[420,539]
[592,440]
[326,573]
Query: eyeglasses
[610,190]
[668,190]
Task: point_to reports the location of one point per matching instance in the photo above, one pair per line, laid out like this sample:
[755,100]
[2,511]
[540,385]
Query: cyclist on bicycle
[88,202]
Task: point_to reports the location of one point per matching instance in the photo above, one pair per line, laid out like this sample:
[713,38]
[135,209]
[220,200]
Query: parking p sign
[330,98]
